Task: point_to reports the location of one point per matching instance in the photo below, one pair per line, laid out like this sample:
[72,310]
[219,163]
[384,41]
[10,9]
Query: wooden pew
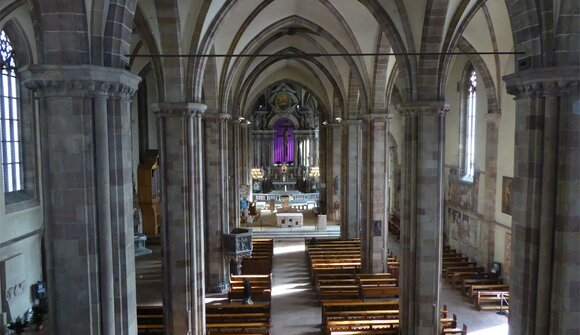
[377,285]
[467,282]
[236,318]
[490,287]
[455,331]
[355,305]
[390,331]
[261,287]
[350,325]
[150,319]
[492,300]
[455,274]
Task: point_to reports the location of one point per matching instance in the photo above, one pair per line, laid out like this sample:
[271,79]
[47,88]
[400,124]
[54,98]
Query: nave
[295,308]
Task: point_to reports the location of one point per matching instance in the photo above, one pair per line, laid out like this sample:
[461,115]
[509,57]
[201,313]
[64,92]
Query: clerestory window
[10,121]
[467,135]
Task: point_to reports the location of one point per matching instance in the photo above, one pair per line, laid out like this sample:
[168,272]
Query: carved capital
[423,108]
[79,81]
[179,109]
[351,122]
[543,82]
[377,117]
[216,117]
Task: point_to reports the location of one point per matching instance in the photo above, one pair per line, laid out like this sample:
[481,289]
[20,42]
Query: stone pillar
[374,190]
[235,179]
[217,204]
[316,146]
[85,144]
[544,296]
[351,179]
[245,153]
[334,170]
[181,165]
[421,216]
[491,147]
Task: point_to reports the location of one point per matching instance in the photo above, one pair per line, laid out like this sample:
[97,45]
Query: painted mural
[463,227]
[506,195]
[461,193]
[508,255]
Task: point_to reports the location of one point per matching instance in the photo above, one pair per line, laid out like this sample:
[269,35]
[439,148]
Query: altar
[289,220]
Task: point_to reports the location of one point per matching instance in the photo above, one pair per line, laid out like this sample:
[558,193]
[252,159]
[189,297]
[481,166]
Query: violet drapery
[283,141]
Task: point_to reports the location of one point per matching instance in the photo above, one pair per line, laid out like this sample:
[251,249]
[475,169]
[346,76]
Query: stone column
[85,144]
[245,153]
[217,204]
[491,145]
[421,216]
[235,152]
[181,165]
[544,296]
[374,190]
[334,169]
[351,179]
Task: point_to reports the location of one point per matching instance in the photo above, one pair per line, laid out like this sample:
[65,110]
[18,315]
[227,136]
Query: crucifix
[285,134]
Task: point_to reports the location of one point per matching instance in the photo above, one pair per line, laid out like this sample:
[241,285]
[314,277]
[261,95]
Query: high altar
[285,137]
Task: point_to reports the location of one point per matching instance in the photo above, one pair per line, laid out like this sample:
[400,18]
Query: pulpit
[237,245]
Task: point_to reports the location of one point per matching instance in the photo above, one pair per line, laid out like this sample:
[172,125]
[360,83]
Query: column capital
[541,82]
[352,122]
[425,108]
[178,109]
[333,124]
[377,117]
[79,81]
[219,117]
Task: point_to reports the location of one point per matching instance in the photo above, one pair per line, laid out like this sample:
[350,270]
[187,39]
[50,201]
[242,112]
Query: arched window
[10,120]
[467,132]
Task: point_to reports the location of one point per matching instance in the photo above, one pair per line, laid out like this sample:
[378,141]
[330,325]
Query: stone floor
[295,309]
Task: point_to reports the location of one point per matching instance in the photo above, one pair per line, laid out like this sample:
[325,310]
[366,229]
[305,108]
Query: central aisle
[295,309]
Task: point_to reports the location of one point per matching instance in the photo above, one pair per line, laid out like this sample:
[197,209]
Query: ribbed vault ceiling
[306,26]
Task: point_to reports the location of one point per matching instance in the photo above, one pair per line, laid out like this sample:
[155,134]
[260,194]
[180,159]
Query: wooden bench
[236,318]
[242,327]
[497,300]
[455,331]
[456,274]
[391,331]
[355,305]
[350,325]
[150,319]
[377,286]
[467,282]
[493,287]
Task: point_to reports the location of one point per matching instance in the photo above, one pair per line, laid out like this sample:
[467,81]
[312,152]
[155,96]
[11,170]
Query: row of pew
[350,317]
[484,290]
[354,303]
[234,317]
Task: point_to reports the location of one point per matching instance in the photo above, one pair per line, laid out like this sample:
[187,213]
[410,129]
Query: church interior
[288,167]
